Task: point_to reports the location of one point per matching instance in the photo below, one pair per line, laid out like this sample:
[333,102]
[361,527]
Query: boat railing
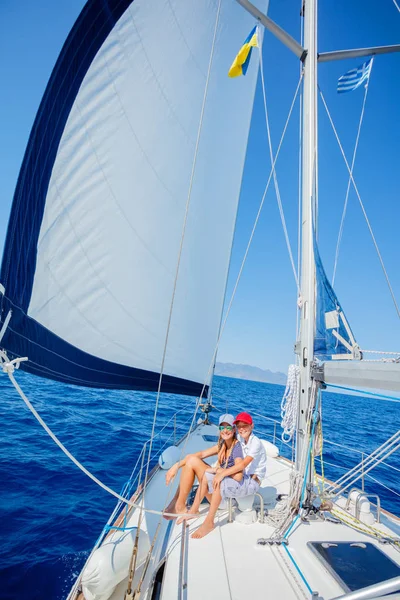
[274,435]
[175,428]
[377,590]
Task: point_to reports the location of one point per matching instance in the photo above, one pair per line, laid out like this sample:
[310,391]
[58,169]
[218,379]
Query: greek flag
[353,79]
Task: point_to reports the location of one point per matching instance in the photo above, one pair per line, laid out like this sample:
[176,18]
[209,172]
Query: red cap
[244,417]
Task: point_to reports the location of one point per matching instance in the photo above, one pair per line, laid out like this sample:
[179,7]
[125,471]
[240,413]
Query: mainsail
[334,338]
[90,261]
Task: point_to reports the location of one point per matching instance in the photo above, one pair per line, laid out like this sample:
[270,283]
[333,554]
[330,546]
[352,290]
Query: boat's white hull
[229,562]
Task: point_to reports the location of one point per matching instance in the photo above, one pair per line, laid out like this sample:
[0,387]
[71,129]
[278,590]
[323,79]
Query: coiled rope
[290,402]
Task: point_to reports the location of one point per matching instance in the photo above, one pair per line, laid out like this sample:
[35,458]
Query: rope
[362,207]
[290,402]
[278,195]
[282,563]
[354,523]
[304,580]
[282,516]
[349,181]
[383,396]
[396,5]
[8,367]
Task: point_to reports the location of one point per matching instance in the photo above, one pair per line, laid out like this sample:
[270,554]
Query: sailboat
[114,276]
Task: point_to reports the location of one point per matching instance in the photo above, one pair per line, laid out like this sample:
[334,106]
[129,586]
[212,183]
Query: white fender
[109,564]
[270,449]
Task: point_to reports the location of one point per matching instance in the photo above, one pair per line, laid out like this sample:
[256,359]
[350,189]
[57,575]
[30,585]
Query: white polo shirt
[254,448]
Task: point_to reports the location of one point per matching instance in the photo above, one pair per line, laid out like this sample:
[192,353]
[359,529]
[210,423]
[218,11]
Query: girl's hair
[223,452]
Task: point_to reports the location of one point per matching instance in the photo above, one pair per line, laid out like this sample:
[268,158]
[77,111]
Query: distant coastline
[250,373]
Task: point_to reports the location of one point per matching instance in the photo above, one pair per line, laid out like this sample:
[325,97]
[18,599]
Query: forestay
[97,220]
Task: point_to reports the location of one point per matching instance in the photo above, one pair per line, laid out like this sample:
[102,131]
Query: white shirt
[256,450]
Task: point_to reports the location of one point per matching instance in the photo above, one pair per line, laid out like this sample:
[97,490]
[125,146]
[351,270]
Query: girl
[229,453]
[216,483]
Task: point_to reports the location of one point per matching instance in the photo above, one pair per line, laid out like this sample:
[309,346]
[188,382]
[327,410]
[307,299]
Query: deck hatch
[355,565]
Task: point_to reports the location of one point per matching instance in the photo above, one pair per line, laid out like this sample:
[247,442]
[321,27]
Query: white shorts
[230,488]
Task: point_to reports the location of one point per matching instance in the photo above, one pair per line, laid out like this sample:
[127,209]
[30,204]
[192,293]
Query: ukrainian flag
[241,62]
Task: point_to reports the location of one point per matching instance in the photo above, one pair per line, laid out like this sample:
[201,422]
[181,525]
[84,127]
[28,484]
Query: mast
[309,159]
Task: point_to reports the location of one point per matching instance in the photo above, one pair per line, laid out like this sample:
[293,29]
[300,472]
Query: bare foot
[203,530]
[189,515]
[175,509]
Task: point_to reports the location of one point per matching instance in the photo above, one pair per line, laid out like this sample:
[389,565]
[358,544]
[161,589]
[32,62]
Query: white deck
[228,563]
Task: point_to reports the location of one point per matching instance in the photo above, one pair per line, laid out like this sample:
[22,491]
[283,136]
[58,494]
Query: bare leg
[171,506]
[208,524]
[202,491]
[194,467]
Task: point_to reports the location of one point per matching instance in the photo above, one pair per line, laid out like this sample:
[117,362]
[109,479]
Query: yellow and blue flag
[241,62]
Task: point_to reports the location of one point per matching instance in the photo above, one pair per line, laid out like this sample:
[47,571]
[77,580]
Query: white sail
[105,247]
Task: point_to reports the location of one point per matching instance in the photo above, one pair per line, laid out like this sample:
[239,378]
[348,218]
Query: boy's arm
[240,465]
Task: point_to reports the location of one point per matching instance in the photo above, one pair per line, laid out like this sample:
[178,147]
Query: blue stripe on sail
[19,258]
[325,343]
[49,355]
[54,358]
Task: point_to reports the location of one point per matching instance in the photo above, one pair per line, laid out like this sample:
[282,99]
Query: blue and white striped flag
[353,79]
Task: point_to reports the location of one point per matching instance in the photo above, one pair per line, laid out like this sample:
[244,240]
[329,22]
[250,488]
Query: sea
[52,514]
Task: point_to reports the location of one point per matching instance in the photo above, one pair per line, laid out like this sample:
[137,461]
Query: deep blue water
[52,514]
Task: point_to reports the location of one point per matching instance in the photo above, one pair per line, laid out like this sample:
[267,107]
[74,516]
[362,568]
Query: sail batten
[97,222]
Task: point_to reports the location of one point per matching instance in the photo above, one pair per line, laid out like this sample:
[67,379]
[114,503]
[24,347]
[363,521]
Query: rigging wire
[349,181]
[372,461]
[362,206]
[278,195]
[229,307]
[396,5]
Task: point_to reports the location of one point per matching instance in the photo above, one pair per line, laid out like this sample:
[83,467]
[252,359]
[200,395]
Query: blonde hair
[223,452]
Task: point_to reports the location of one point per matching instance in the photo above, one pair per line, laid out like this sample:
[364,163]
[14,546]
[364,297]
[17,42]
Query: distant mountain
[249,372]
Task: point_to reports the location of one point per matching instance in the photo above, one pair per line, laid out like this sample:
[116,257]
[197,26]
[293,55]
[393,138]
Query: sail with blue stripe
[89,267]
[334,339]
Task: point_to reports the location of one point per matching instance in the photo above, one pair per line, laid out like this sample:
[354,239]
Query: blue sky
[261,328]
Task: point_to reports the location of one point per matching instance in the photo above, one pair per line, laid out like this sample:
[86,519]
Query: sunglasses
[227,427]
